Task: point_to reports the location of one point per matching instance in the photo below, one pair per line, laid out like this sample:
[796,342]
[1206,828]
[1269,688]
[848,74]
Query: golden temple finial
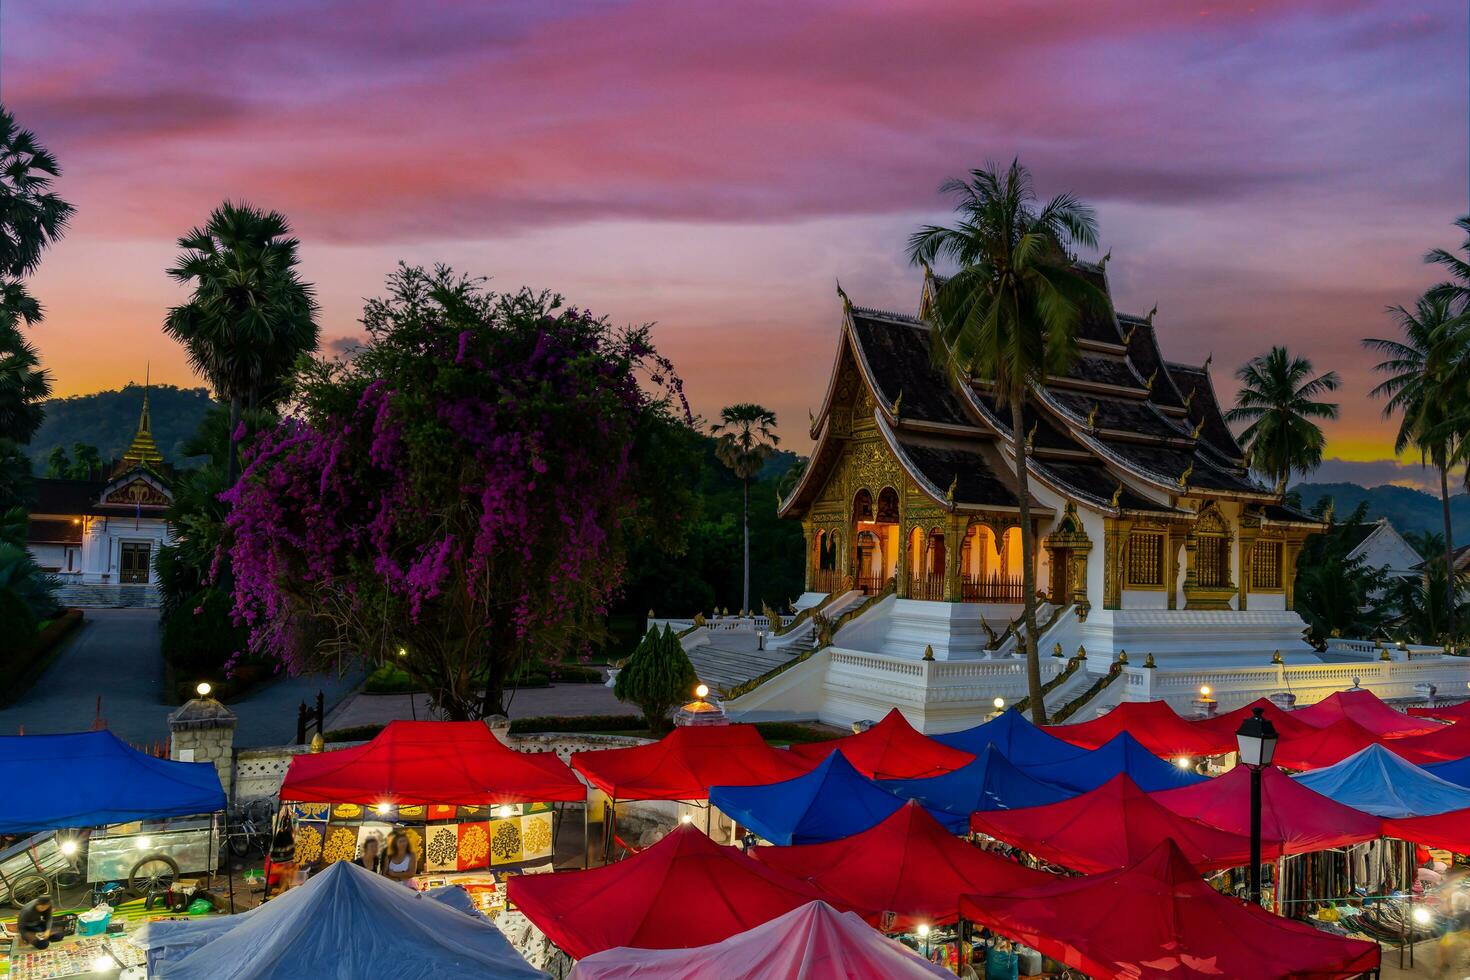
[928,651]
[1105,259]
[143,450]
[1123,657]
[1128,334]
[1198,428]
[953,486]
[1117,497]
[1148,662]
[1092,415]
[811,416]
[1056,650]
[1149,384]
[1188,472]
[1031,436]
[1150,318]
[1081,652]
[1189,397]
[1208,359]
[1276,658]
[898,403]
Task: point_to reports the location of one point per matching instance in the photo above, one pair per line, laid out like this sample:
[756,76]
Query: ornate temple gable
[137,487]
[894,353]
[1148,361]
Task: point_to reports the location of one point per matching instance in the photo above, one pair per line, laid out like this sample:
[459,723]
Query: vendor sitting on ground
[34,923]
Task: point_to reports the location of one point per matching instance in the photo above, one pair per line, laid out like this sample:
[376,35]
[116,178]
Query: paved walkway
[115,656]
[567,700]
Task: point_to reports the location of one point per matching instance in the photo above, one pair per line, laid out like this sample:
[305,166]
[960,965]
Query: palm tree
[32,216]
[251,315]
[1421,389]
[1008,317]
[23,382]
[1277,398]
[746,438]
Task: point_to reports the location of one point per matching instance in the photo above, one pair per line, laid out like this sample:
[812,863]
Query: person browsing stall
[371,856]
[400,863]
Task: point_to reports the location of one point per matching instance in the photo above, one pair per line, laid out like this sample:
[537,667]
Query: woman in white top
[400,863]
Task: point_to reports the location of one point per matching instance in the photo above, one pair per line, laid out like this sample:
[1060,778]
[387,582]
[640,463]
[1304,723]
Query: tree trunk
[232,455]
[745,523]
[1449,555]
[1028,563]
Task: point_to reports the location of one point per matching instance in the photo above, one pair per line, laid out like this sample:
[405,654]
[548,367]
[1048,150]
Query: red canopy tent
[1294,819]
[1445,743]
[1157,919]
[908,865]
[1449,712]
[684,764]
[891,749]
[1154,724]
[453,763]
[1450,831]
[684,891]
[1365,708]
[1110,828]
[1327,747]
[1287,726]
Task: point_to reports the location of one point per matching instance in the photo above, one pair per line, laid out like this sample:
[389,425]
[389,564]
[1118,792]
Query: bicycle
[248,828]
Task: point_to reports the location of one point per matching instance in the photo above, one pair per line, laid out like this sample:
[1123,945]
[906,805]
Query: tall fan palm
[32,216]
[251,315]
[1009,316]
[1278,399]
[746,439]
[1423,390]
[23,382]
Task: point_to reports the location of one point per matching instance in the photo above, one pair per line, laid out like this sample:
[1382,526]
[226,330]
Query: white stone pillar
[203,730]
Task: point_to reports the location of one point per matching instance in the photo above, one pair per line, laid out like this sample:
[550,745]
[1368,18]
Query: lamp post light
[923,931]
[1256,739]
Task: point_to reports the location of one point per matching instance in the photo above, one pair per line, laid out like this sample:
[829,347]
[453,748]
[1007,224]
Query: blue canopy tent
[94,778]
[1455,771]
[1379,782]
[833,800]
[991,782]
[1018,740]
[1121,754]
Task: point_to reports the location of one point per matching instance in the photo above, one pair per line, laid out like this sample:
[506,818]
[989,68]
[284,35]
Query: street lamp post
[1256,739]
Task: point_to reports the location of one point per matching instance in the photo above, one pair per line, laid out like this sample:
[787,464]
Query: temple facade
[100,537]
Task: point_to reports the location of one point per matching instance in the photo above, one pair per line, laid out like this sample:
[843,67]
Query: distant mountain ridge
[1407,509]
[108,420]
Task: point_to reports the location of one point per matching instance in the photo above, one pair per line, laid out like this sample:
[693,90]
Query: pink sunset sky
[1264,172]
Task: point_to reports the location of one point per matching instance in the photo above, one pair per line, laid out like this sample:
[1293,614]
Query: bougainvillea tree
[457,498]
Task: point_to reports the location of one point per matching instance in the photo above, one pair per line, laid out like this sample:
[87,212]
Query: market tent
[1447,712]
[1450,831]
[1123,755]
[1110,828]
[1016,737]
[685,763]
[1378,782]
[1294,819]
[1455,771]
[458,763]
[344,922]
[1158,919]
[92,778]
[991,782]
[1444,744]
[908,867]
[833,800]
[684,891]
[1287,725]
[814,942]
[1365,708]
[891,749]
[1325,746]
[1156,727]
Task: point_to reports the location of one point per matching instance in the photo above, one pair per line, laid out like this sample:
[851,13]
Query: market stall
[991,782]
[684,891]
[1455,771]
[891,749]
[1109,828]
[1324,747]
[813,942]
[473,809]
[1157,918]
[1449,831]
[1377,781]
[1122,755]
[1286,724]
[1445,744]
[1017,739]
[833,800]
[1447,712]
[1156,727]
[344,922]
[908,868]
[1368,710]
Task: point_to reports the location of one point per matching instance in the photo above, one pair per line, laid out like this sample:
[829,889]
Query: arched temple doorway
[875,539]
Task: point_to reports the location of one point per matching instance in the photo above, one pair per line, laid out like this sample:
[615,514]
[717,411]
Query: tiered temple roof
[1123,430]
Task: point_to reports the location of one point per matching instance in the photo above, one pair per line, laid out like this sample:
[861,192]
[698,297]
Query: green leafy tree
[746,438]
[251,316]
[1278,401]
[32,215]
[24,384]
[1009,316]
[58,464]
[20,576]
[86,462]
[658,677]
[1422,388]
[1335,593]
[1420,606]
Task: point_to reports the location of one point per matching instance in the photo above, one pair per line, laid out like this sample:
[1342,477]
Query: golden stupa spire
[143,451]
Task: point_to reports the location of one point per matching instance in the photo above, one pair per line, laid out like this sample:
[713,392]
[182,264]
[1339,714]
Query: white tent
[345,923]
[813,942]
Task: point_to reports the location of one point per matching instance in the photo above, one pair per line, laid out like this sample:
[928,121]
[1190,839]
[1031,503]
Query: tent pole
[586,831]
[229,866]
[708,810]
